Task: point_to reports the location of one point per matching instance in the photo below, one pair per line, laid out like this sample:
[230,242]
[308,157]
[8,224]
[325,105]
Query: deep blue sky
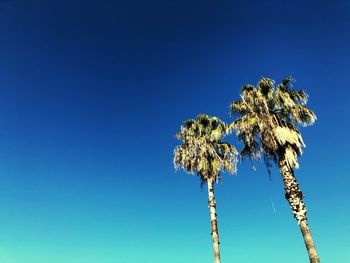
[92,93]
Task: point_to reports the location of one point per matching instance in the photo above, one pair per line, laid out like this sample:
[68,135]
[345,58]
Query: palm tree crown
[202,150]
[268,118]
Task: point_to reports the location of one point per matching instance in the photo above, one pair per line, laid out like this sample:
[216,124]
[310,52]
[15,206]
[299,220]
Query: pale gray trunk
[214,226]
[295,198]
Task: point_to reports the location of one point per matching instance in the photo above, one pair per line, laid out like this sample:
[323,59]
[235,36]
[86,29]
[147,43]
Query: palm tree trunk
[214,226]
[294,196]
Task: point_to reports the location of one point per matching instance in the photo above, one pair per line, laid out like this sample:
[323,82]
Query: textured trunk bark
[294,196]
[214,226]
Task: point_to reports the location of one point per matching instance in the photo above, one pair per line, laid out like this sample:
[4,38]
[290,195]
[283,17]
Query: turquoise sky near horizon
[92,94]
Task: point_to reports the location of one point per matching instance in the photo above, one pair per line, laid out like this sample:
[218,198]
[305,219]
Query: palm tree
[203,153]
[267,124]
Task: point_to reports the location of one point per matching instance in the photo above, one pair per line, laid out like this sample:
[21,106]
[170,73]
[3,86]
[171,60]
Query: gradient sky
[92,94]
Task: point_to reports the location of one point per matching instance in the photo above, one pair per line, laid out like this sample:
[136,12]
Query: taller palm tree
[267,124]
[203,153]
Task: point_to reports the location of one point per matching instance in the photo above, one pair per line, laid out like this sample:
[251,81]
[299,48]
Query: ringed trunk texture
[214,226]
[294,196]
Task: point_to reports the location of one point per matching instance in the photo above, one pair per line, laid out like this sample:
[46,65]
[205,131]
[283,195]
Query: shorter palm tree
[267,123]
[203,153]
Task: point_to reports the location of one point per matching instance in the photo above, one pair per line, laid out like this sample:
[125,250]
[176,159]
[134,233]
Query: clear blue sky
[92,93]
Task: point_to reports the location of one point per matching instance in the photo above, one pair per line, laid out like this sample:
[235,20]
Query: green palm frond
[288,96]
[247,88]
[238,107]
[303,115]
[266,87]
